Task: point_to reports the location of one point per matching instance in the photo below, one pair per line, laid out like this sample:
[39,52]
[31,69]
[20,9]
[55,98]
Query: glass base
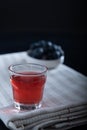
[21,106]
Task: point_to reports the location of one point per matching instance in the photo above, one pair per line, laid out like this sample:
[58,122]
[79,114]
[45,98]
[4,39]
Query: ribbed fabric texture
[64,102]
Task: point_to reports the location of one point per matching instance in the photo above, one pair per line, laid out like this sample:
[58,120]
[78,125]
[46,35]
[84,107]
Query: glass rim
[10,68]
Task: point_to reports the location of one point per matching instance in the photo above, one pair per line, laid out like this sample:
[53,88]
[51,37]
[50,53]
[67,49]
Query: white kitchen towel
[64,101]
[57,117]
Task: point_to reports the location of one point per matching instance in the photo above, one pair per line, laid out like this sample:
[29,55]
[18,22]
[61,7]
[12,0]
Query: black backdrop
[60,21]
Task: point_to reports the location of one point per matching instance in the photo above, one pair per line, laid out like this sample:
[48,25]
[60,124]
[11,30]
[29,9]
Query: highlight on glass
[28,82]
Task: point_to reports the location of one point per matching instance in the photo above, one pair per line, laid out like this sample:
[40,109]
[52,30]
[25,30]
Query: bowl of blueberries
[46,53]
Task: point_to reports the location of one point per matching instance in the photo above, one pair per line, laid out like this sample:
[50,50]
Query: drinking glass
[28,82]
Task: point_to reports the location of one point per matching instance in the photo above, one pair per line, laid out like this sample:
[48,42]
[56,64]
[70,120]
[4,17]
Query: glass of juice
[28,82]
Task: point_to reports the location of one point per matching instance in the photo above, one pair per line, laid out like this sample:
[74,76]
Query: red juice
[28,87]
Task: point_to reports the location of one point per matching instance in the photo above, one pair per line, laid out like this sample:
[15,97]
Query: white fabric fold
[64,102]
[57,118]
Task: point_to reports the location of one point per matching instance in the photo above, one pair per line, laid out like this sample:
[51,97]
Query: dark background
[63,22]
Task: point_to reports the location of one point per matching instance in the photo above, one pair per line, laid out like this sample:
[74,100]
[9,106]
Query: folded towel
[57,118]
[64,103]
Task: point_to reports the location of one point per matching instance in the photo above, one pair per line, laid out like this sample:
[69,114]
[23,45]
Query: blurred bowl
[46,53]
[49,63]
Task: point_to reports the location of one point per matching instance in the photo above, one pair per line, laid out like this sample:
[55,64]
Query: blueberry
[49,48]
[37,53]
[50,56]
[49,44]
[34,45]
[58,54]
[56,47]
[42,43]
